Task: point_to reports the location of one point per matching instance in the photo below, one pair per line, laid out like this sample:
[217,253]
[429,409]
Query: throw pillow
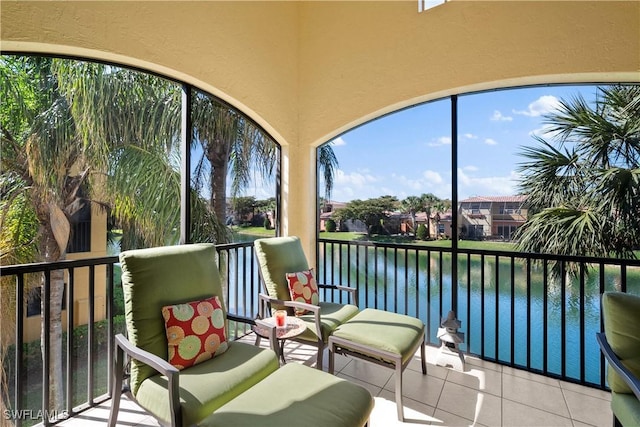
[195,331]
[303,288]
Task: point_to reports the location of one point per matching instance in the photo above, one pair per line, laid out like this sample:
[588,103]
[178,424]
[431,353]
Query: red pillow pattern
[303,288]
[195,331]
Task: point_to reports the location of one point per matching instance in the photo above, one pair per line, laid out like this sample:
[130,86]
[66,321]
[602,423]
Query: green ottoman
[381,337]
[296,395]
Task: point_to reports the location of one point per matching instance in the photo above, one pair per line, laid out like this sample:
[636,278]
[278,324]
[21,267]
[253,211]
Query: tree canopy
[371,212]
[583,178]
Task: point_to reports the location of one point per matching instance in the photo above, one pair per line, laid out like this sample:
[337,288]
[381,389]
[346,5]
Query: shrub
[330,225]
[421,232]
[267,223]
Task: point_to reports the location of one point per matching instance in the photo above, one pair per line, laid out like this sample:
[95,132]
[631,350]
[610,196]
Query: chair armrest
[293,304]
[353,292]
[271,329]
[162,366]
[627,376]
[157,363]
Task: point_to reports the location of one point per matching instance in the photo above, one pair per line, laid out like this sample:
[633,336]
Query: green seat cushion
[207,386]
[278,256]
[332,315]
[382,330]
[621,315]
[297,395]
[616,383]
[626,408]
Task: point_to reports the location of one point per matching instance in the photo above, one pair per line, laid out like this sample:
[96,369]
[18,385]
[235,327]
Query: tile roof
[518,198]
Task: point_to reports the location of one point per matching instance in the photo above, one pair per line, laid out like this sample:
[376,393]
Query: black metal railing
[517,309]
[239,272]
[88,349]
[27,365]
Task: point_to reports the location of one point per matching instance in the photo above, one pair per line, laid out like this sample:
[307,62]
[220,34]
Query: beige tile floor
[485,394]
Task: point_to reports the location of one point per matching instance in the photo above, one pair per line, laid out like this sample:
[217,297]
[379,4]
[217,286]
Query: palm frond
[327,164]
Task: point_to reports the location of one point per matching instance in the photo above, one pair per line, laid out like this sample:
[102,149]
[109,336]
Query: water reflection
[510,310]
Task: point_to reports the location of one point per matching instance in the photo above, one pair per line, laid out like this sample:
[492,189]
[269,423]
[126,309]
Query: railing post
[454,203]
[19,345]
[186,134]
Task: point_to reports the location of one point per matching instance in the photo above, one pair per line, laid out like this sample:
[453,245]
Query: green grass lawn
[464,244]
[253,231]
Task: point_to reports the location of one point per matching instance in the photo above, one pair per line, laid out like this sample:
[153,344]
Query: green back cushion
[621,312]
[278,256]
[156,277]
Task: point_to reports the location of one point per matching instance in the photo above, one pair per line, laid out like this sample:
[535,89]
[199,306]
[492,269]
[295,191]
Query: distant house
[491,217]
[439,224]
[480,218]
[327,210]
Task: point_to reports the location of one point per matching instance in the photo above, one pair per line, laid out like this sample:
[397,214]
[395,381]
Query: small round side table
[294,328]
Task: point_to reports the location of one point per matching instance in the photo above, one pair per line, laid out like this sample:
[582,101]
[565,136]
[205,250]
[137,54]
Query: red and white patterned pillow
[195,331]
[303,288]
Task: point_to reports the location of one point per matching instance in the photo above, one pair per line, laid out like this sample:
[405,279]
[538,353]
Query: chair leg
[332,355]
[423,358]
[319,357]
[616,422]
[399,390]
[116,390]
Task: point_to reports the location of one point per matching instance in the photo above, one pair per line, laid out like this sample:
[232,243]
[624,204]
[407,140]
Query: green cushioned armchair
[156,277]
[278,256]
[620,344]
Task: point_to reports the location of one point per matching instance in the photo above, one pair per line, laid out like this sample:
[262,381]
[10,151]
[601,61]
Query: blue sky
[407,153]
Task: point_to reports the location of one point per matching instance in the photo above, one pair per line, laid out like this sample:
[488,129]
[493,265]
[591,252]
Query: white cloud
[365,185]
[470,136]
[498,117]
[470,168]
[354,178]
[544,131]
[443,140]
[355,185]
[338,142]
[470,185]
[406,183]
[490,141]
[540,106]
[432,177]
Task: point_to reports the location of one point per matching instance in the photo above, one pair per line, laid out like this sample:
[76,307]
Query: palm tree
[41,155]
[130,125]
[583,181]
[230,145]
[440,207]
[412,205]
[233,146]
[327,165]
[429,201]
